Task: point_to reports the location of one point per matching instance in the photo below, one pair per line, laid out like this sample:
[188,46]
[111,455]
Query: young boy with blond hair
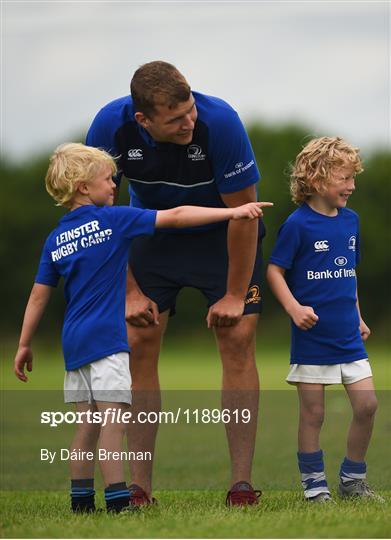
[312,274]
[89,249]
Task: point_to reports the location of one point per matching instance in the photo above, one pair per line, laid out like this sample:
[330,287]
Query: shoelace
[242,498]
[362,484]
[138,497]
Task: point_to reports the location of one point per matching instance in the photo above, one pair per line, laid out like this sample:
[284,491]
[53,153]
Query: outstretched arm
[193,216]
[36,305]
[303,316]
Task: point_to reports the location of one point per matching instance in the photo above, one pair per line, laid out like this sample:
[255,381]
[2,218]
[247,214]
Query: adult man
[182,147]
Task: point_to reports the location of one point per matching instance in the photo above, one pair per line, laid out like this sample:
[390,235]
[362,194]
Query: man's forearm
[242,240]
[131,283]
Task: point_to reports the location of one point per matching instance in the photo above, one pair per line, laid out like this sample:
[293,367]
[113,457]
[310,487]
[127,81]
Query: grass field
[196,515]
[192,364]
[192,466]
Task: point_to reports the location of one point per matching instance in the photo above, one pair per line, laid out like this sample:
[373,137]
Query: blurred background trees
[29,214]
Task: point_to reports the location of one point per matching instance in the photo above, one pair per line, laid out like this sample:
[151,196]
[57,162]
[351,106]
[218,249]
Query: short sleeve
[233,159]
[47,273]
[102,135]
[132,222]
[287,245]
[102,132]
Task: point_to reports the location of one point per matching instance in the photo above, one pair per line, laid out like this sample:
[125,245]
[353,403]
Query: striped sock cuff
[82,488]
[83,495]
[119,494]
[313,478]
[352,470]
[310,461]
[117,497]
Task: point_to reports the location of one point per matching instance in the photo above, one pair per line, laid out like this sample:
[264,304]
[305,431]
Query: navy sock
[83,495]
[117,497]
[313,478]
[352,470]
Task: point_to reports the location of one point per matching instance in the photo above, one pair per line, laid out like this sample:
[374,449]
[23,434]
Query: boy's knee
[366,409]
[313,415]
[89,431]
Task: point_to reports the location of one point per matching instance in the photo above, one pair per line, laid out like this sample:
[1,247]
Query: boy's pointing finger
[262,204]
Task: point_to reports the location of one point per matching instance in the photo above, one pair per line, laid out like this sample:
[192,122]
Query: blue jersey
[320,254]
[90,249]
[219,158]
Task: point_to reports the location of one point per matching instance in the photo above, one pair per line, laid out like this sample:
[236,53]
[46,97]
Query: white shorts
[348,373]
[107,379]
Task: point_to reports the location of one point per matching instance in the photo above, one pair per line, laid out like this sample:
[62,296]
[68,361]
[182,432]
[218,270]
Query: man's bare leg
[145,346]
[240,391]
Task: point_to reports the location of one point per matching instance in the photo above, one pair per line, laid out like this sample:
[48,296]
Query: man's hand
[226,312]
[304,317]
[364,330]
[141,310]
[24,357]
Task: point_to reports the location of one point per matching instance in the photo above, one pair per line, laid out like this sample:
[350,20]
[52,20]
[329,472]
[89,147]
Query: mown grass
[191,364]
[194,459]
[196,515]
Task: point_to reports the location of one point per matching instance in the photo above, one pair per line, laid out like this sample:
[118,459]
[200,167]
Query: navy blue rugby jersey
[320,254]
[89,248]
[219,158]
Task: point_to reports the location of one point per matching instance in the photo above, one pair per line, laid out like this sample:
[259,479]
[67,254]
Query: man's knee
[148,337]
[239,340]
[237,350]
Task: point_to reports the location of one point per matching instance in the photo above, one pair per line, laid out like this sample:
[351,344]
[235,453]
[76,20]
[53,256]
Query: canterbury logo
[253,295]
[135,153]
[321,245]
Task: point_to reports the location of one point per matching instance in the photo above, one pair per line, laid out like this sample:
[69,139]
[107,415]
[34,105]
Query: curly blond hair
[71,164]
[314,165]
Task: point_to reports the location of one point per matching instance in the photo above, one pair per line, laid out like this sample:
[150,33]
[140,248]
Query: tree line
[29,214]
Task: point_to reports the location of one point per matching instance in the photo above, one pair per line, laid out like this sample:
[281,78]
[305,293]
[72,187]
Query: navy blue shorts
[164,263]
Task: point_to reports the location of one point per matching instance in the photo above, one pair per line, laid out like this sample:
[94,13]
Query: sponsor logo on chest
[340,261]
[321,245]
[194,152]
[135,154]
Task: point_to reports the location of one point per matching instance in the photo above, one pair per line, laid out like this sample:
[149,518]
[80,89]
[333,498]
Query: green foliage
[29,214]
